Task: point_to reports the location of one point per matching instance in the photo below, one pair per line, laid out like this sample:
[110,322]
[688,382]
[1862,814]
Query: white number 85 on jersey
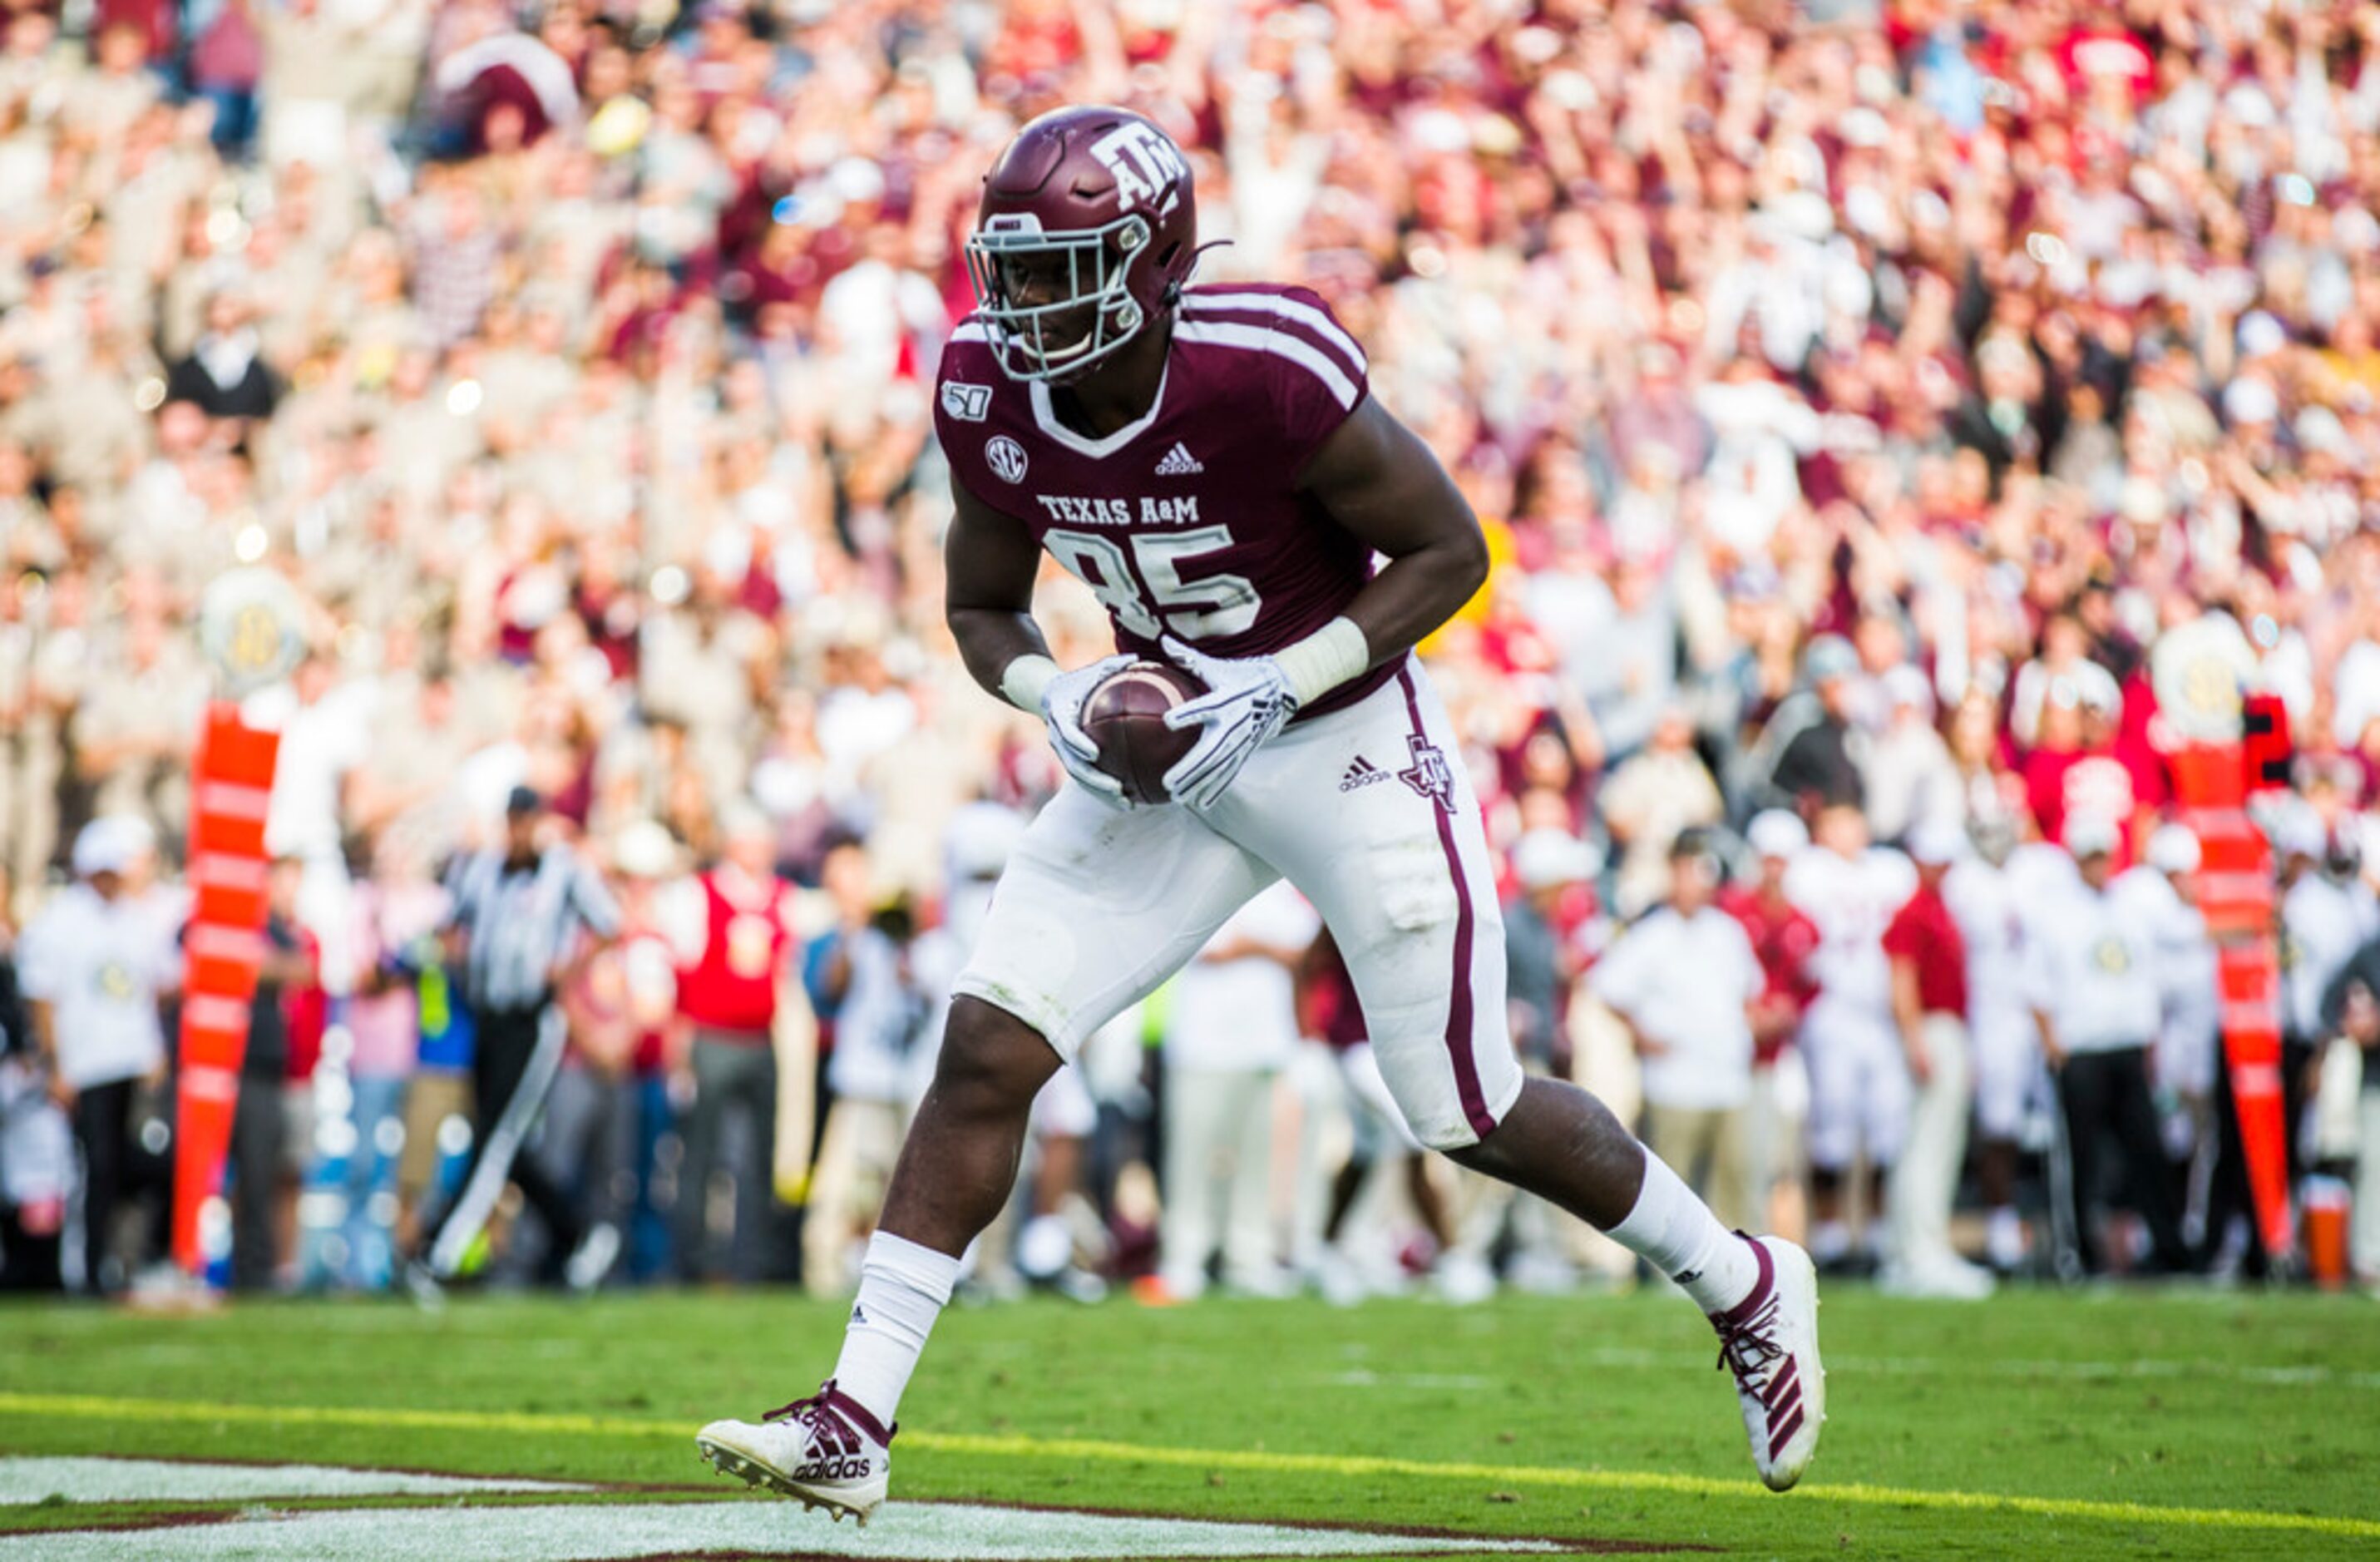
[1210,607]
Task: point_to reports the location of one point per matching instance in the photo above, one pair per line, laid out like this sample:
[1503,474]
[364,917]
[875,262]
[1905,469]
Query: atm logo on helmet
[1145,165]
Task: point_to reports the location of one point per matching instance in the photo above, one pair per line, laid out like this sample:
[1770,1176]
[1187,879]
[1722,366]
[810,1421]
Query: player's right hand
[1061,709]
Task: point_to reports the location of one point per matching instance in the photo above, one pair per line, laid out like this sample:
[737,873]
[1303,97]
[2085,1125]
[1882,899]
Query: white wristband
[1022,683]
[1324,659]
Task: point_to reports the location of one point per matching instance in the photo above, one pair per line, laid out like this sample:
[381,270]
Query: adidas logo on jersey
[1363,773]
[1179,462]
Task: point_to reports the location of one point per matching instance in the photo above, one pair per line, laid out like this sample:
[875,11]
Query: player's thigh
[1368,812]
[1099,905]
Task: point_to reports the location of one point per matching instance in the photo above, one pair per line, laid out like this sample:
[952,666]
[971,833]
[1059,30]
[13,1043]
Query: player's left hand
[1062,712]
[1248,699]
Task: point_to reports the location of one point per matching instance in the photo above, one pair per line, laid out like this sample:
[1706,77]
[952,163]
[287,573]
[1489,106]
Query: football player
[1209,461]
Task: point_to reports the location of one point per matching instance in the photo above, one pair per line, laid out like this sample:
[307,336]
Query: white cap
[1938,843]
[1864,127]
[1829,656]
[644,850]
[2260,334]
[2172,849]
[111,844]
[1777,832]
[1547,856]
[2091,686]
[1802,213]
[2091,835]
[2250,401]
[2318,428]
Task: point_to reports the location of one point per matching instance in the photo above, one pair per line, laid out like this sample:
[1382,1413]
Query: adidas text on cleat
[825,1451]
[1770,1341]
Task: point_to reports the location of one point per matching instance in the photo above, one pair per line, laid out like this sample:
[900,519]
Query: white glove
[1247,699]
[1061,709]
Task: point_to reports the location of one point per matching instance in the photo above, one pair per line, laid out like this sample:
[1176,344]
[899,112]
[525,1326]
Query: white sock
[903,1288]
[1677,1234]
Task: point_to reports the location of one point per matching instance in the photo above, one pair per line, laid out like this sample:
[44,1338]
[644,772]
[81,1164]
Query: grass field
[2114,1424]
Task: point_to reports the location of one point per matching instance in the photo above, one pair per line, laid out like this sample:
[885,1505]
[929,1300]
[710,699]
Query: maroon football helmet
[1087,232]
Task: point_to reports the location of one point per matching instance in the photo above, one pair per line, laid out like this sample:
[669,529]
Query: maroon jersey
[1187,521]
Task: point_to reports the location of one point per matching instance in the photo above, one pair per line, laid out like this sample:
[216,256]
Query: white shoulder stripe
[972,331]
[1313,319]
[1261,339]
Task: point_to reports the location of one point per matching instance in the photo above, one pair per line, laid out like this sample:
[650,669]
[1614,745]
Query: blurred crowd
[1900,426]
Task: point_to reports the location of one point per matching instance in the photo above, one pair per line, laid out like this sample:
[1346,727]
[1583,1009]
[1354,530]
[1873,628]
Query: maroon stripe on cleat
[1764,1282]
[1776,1388]
[1790,1405]
[855,1414]
[1784,1435]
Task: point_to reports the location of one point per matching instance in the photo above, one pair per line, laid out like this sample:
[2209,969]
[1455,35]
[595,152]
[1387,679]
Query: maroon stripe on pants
[1458,1008]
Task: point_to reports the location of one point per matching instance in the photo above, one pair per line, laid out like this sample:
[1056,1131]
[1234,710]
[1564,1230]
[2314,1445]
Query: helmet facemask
[1009,257]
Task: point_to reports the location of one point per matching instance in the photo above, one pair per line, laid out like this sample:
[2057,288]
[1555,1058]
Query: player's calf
[1761,1294]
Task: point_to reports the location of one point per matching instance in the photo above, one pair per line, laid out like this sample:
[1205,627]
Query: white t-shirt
[101,964]
[2187,973]
[1852,901]
[2357,683]
[1684,983]
[319,743]
[2091,965]
[853,726]
[876,1023]
[1241,1014]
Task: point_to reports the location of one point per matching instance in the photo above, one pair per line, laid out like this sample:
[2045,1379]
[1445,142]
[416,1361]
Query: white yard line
[612,1531]
[24,1480]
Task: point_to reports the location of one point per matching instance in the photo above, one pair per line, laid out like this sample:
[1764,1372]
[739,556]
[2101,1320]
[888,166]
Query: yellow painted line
[98,1407]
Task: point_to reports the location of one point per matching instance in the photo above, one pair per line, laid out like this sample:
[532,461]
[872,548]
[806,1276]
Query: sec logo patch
[1007,457]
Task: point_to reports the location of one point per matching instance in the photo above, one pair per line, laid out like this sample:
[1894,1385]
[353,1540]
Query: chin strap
[1172,294]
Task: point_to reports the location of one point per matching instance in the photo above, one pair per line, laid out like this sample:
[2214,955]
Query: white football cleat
[1770,1341]
[825,1451]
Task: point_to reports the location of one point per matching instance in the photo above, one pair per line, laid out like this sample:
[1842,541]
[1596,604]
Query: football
[1125,716]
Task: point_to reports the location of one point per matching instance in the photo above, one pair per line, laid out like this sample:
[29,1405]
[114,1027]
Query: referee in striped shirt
[515,929]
